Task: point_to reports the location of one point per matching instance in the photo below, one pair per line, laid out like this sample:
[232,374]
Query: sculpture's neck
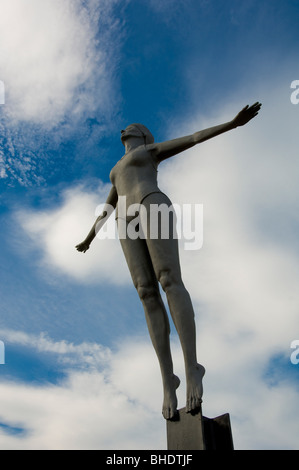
[132,143]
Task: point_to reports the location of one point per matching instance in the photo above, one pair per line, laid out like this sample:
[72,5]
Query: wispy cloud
[89,355]
[55,58]
[58,60]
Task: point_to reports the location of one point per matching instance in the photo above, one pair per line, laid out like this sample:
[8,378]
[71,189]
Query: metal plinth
[192,431]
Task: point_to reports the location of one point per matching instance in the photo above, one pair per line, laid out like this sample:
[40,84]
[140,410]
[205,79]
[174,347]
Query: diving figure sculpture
[154,261]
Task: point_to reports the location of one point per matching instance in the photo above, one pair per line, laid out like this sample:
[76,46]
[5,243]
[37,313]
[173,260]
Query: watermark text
[160,221]
[295,354]
[151,459]
[295,94]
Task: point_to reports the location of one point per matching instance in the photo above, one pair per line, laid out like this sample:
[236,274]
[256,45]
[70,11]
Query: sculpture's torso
[135,175]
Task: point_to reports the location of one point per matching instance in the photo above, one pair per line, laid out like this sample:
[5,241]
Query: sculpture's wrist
[234,124]
[88,240]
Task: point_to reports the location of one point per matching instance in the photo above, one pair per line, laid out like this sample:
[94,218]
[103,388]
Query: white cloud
[55,58]
[92,408]
[115,403]
[85,412]
[57,232]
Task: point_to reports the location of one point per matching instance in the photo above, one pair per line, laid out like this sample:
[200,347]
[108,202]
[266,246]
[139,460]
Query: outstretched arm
[107,211]
[170,148]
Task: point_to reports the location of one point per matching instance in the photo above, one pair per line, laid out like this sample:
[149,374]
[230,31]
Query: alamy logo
[135,221]
[295,95]
[2,353]
[2,93]
[295,354]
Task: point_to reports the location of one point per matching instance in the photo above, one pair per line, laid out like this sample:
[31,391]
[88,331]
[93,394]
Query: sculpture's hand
[246,114]
[83,247]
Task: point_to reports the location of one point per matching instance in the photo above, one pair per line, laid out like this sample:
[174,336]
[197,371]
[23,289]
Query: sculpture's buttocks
[135,175]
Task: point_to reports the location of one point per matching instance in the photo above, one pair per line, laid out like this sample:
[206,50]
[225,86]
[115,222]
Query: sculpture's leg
[165,259]
[143,276]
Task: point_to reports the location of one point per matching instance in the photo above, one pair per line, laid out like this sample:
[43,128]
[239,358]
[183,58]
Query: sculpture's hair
[148,137]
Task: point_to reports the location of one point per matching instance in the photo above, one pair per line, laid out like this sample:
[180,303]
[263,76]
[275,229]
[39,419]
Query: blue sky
[76,344]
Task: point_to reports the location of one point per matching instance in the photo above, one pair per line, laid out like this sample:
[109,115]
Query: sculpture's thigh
[139,262]
[161,237]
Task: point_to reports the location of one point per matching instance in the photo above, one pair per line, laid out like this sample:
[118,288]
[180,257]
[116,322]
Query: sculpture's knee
[168,280]
[146,291]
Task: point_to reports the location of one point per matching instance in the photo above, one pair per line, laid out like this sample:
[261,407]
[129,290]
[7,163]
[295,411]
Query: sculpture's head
[137,130]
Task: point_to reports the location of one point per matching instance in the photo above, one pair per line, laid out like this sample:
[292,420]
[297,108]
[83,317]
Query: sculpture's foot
[194,388]
[170,402]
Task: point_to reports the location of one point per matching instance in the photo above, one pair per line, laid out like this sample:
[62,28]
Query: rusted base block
[192,431]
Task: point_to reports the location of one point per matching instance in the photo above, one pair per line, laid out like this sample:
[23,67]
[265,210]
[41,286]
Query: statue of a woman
[156,260]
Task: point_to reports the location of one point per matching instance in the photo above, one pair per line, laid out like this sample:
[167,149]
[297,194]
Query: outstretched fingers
[256,107]
[82,247]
